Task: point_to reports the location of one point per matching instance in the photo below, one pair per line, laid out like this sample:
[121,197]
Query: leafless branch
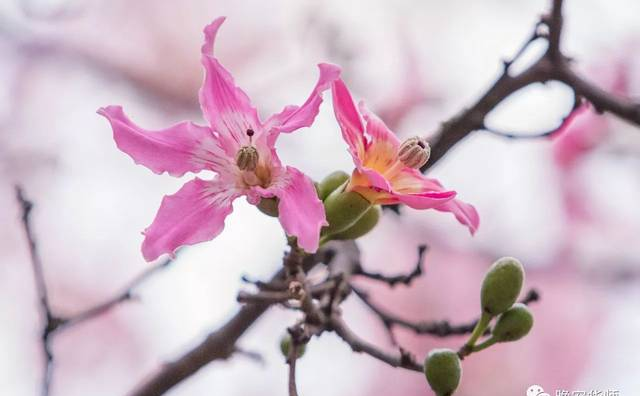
[404,279]
[440,328]
[219,344]
[51,321]
[357,344]
[54,323]
[321,310]
[552,65]
[575,111]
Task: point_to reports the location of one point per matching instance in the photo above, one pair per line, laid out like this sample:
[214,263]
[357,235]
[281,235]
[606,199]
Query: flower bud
[247,158]
[330,183]
[285,346]
[501,285]
[443,371]
[513,324]
[343,209]
[366,223]
[414,152]
[269,206]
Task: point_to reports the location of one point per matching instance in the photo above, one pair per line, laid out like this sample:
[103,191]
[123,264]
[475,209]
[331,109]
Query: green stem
[324,239]
[486,344]
[479,330]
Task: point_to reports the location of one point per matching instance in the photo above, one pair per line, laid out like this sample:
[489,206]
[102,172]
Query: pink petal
[175,150]
[194,214]
[292,117]
[465,213]
[377,129]
[374,178]
[425,200]
[301,211]
[382,147]
[410,186]
[348,119]
[227,108]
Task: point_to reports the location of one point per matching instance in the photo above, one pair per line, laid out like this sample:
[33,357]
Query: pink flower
[238,147]
[386,170]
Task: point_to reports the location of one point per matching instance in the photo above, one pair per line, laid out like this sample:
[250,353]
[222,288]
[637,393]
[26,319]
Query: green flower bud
[513,324]
[443,371]
[366,223]
[343,209]
[501,285]
[285,345]
[269,206]
[330,183]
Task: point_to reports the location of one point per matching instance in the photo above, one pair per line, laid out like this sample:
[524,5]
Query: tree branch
[54,323]
[357,344]
[219,344]
[552,65]
[392,281]
[51,321]
[435,328]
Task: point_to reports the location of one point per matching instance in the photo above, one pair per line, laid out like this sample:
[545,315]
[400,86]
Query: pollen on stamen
[247,158]
[250,132]
[414,152]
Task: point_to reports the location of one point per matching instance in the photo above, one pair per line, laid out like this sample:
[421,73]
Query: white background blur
[416,63]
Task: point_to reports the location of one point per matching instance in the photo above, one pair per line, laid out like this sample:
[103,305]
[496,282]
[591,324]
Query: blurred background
[567,207]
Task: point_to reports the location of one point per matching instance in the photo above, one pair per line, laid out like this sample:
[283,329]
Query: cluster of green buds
[349,214]
[500,289]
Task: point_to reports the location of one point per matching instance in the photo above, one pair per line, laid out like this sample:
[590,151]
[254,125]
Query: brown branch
[575,111]
[54,323]
[552,65]
[357,344]
[293,390]
[601,100]
[404,279]
[51,322]
[219,344]
[125,294]
[440,328]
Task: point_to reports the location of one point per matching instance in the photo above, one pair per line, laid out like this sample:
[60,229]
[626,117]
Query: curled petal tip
[210,32]
[334,70]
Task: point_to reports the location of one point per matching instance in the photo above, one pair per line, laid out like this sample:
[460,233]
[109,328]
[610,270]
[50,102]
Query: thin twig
[440,328]
[577,109]
[125,294]
[357,344]
[404,279]
[51,321]
[293,390]
[220,344]
[54,323]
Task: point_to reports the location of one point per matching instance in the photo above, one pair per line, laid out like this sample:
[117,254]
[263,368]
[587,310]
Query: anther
[414,152]
[247,158]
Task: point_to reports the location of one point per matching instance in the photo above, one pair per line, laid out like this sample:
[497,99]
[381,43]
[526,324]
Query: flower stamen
[247,158]
[414,152]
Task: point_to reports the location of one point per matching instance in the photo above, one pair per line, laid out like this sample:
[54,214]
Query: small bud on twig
[443,371]
[501,285]
[513,324]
